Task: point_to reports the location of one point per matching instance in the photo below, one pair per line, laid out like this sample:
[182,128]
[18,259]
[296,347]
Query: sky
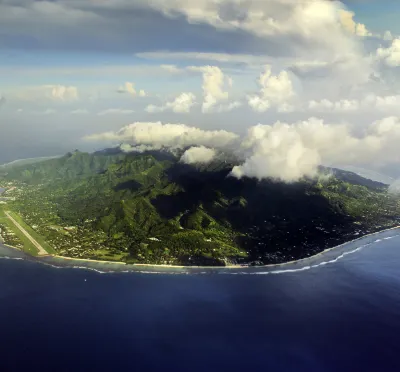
[286,84]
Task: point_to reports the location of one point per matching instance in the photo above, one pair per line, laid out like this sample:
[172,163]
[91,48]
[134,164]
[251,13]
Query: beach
[241,266]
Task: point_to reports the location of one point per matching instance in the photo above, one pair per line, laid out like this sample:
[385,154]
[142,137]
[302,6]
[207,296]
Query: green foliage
[138,208]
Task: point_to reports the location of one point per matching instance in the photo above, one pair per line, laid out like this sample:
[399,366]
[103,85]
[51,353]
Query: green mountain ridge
[150,208]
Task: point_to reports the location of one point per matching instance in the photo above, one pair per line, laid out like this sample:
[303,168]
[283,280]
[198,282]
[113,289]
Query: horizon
[323,75]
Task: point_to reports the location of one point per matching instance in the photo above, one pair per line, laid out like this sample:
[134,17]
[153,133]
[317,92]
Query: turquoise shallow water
[337,311]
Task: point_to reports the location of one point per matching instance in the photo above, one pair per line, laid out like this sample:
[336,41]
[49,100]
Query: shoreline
[246,266]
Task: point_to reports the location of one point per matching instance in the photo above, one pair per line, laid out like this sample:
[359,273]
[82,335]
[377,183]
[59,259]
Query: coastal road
[41,250]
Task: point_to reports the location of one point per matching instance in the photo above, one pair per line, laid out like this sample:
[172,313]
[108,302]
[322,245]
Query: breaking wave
[261,270]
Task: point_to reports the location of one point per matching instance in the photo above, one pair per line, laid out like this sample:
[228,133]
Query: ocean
[339,311]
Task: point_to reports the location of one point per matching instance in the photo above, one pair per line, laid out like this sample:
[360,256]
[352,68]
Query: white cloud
[291,151]
[126,147]
[181,104]
[213,86]
[371,102]
[258,104]
[359,29]
[57,93]
[115,111]
[61,92]
[229,107]
[170,68]
[391,55]
[202,56]
[326,105]
[199,154]
[129,88]
[160,135]
[388,35]
[274,90]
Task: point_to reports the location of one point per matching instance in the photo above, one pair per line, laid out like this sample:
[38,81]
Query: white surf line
[42,251]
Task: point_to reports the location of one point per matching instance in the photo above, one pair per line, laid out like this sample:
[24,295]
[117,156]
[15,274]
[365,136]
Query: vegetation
[149,208]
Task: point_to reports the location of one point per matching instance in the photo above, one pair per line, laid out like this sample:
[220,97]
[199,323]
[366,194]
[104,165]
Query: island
[149,208]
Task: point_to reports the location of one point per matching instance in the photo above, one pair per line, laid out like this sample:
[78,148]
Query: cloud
[388,35]
[371,102]
[274,90]
[52,92]
[198,154]
[229,107]
[170,68]
[291,151]
[181,104]
[115,111]
[213,86]
[359,29]
[2,100]
[326,105]
[258,104]
[129,88]
[237,58]
[391,55]
[312,22]
[79,112]
[126,147]
[160,135]
[61,92]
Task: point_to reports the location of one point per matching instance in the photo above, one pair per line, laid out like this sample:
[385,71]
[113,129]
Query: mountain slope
[149,208]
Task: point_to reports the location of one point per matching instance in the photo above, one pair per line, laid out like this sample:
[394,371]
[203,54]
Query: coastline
[207,267]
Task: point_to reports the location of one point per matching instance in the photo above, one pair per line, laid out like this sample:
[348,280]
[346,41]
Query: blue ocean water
[339,311]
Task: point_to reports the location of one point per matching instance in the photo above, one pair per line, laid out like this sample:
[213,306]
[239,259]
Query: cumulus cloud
[115,111]
[181,104]
[61,92]
[291,151]
[199,154]
[213,86]
[159,135]
[274,90]
[390,55]
[347,20]
[129,88]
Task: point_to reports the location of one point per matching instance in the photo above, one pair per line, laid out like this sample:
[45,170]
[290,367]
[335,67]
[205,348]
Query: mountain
[369,174]
[150,208]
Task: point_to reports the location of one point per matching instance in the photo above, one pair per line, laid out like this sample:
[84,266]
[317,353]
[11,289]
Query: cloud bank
[281,151]
[174,136]
[291,151]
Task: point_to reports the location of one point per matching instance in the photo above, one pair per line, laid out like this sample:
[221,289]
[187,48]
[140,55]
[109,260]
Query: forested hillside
[150,208]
